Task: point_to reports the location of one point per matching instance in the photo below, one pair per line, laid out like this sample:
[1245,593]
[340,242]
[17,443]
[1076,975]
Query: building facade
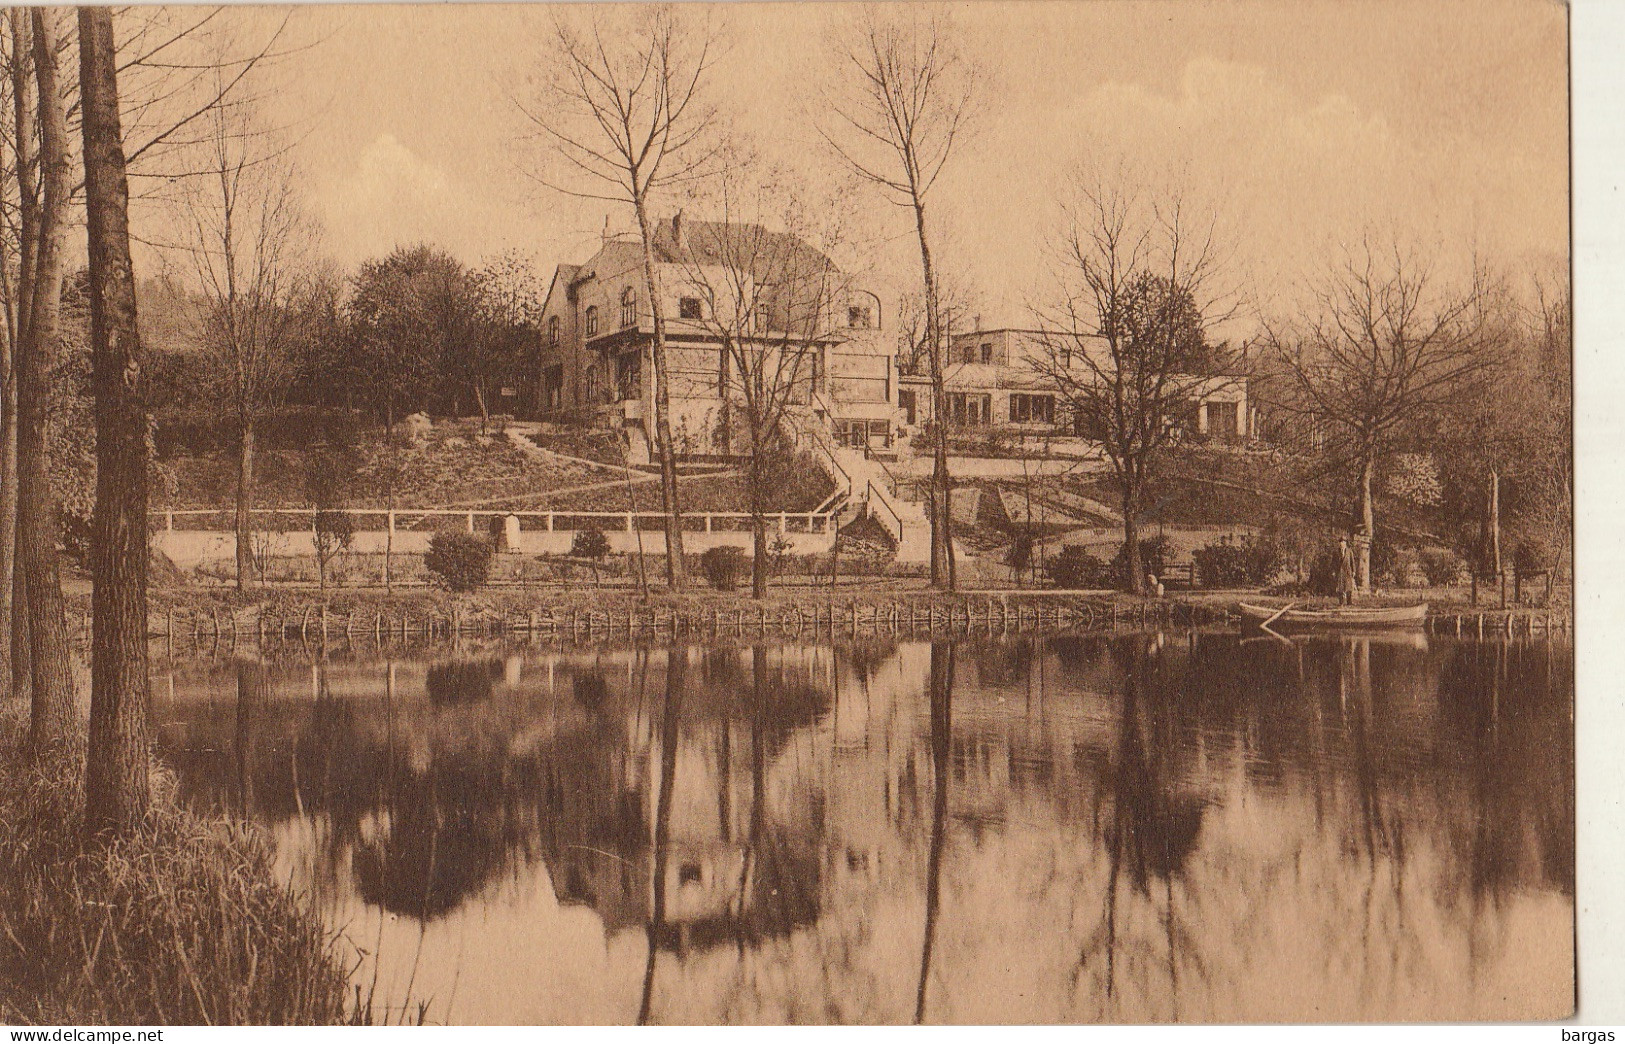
[996,379]
[728,290]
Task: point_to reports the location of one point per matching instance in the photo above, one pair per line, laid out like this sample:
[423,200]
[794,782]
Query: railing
[413,519]
[874,496]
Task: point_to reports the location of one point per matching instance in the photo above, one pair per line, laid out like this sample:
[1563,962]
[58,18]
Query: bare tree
[116,790]
[771,299]
[1127,344]
[1388,345]
[246,240]
[901,98]
[624,108]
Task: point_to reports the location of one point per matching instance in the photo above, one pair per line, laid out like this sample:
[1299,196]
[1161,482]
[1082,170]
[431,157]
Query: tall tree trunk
[116,790]
[52,714]
[759,556]
[665,449]
[1368,523]
[8,494]
[1131,533]
[18,316]
[22,657]
[1492,518]
[247,574]
[942,539]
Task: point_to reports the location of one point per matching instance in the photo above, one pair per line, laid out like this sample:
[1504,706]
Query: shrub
[1153,559]
[590,544]
[1442,567]
[1248,562]
[1074,568]
[723,566]
[458,561]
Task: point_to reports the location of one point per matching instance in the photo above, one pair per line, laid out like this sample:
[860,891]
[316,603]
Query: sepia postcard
[794,513]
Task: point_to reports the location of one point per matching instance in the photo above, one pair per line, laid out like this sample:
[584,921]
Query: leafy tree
[408,314]
[508,301]
[592,545]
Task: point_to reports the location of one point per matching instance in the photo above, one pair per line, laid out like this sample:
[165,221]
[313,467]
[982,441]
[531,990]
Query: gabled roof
[750,246]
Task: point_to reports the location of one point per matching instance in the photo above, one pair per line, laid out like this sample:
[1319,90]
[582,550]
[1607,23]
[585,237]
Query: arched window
[629,307]
[553,332]
[592,321]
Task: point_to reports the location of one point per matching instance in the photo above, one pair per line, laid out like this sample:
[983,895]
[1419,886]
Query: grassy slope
[456,466]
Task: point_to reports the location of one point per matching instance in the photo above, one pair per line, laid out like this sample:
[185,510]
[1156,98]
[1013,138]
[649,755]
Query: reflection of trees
[940,692]
[1151,830]
[1401,801]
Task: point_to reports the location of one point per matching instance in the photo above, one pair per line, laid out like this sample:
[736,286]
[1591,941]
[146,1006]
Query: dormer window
[553,332]
[859,317]
[689,308]
[629,308]
[987,352]
[591,320]
[967,354]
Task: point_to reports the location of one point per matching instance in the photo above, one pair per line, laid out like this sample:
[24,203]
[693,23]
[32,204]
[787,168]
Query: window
[1222,420]
[970,409]
[629,308]
[967,354]
[905,402]
[592,321]
[763,316]
[987,352]
[629,375]
[688,308]
[553,332]
[859,317]
[1032,409]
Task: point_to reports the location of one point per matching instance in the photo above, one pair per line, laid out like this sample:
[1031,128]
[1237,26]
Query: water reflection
[1135,827]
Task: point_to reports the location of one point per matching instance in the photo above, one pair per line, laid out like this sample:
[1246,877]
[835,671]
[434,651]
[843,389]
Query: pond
[1128,827]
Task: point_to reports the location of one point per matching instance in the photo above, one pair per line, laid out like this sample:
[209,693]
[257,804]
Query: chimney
[605,235]
[976,324]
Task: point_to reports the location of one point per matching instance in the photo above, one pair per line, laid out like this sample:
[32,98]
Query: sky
[1303,125]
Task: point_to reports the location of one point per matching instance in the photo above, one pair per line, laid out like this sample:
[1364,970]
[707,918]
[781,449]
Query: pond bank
[182,924]
[696,615]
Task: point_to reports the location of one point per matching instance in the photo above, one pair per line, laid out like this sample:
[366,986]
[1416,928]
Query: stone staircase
[863,486]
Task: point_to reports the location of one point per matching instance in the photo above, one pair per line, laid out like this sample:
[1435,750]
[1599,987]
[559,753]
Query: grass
[183,923]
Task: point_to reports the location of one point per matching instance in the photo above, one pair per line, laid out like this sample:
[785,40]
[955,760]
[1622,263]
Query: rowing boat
[1342,616]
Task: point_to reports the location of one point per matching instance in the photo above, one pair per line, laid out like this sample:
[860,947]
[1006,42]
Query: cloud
[391,196]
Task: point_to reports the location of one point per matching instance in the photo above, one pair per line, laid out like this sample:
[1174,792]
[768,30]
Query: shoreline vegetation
[179,923]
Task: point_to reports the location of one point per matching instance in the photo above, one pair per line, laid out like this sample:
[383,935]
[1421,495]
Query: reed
[183,923]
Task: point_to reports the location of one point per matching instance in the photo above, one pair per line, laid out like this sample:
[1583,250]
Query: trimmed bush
[459,561]
[723,566]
